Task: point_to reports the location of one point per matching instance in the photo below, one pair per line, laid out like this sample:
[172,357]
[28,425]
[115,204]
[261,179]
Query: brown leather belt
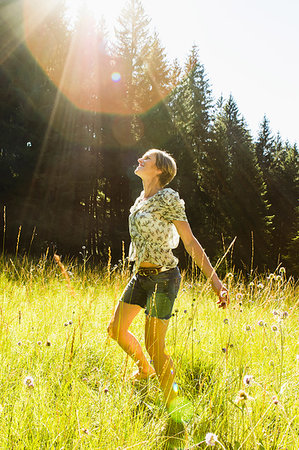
[146,271]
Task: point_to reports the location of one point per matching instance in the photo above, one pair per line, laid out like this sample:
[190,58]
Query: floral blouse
[152,232]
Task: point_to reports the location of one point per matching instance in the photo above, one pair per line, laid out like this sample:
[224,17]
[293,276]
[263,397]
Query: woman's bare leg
[155,331]
[118,330]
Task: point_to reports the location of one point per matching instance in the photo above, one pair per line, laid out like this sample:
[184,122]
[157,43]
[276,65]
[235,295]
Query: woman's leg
[118,330]
[155,331]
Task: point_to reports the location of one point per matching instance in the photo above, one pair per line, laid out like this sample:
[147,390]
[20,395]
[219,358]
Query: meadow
[64,383]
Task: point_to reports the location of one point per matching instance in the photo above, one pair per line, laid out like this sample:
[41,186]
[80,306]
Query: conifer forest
[73,123]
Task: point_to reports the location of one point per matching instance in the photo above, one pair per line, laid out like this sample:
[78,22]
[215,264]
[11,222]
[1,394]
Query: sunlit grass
[237,370]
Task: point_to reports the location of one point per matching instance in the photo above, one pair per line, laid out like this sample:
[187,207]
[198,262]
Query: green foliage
[67,172]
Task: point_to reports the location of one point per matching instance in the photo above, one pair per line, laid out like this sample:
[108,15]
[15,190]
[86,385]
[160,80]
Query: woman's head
[167,165]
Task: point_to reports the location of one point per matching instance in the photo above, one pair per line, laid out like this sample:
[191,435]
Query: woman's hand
[223,298]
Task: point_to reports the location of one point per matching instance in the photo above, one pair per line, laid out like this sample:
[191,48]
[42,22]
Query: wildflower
[224,349]
[84,379]
[194,329]
[239,296]
[271,277]
[19,343]
[225,321]
[230,275]
[85,431]
[274,328]
[211,439]
[260,286]
[284,314]
[48,343]
[251,284]
[247,380]
[185,311]
[70,322]
[39,342]
[176,311]
[261,323]
[247,328]
[271,363]
[275,400]
[65,324]
[28,381]
[243,397]
[278,278]
[106,390]
[282,270]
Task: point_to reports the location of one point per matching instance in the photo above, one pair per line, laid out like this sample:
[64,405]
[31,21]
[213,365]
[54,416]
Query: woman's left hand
[223,300]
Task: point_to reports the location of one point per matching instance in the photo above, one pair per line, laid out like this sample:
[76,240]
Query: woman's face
[147,168]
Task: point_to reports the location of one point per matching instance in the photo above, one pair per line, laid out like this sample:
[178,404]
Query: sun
[106,9]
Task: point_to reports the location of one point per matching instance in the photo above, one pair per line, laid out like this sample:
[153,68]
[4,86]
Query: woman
[157,220]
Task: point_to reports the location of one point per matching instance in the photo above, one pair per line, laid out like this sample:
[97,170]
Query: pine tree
[132,48]
[244,203]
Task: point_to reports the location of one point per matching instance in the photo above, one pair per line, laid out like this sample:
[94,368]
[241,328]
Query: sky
[249,49]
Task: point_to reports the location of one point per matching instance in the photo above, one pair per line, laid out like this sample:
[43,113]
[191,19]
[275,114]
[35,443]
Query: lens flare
[116,77]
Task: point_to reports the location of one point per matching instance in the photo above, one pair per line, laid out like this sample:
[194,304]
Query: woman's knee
[113,330]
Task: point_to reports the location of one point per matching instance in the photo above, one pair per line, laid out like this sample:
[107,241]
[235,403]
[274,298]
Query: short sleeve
[173,207]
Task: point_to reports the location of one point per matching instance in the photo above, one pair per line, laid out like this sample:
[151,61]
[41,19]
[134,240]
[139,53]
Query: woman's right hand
[223,298]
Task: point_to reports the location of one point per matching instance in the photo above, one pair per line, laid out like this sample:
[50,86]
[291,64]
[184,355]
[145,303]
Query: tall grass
[65,385]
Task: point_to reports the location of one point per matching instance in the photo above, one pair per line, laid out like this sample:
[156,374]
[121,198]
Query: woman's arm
[196,251]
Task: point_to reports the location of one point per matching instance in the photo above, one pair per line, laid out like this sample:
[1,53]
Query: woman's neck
[150,188]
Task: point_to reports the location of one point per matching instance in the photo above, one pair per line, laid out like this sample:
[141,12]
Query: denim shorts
[155,293]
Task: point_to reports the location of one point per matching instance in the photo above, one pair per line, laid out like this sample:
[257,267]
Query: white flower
[28,381]
[248,379]
[211,439]
[260,286]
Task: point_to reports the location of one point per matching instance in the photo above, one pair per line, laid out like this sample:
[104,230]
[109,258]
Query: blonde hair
[166,163]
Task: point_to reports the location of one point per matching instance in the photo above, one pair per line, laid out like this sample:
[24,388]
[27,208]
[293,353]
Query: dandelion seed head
[211,439]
